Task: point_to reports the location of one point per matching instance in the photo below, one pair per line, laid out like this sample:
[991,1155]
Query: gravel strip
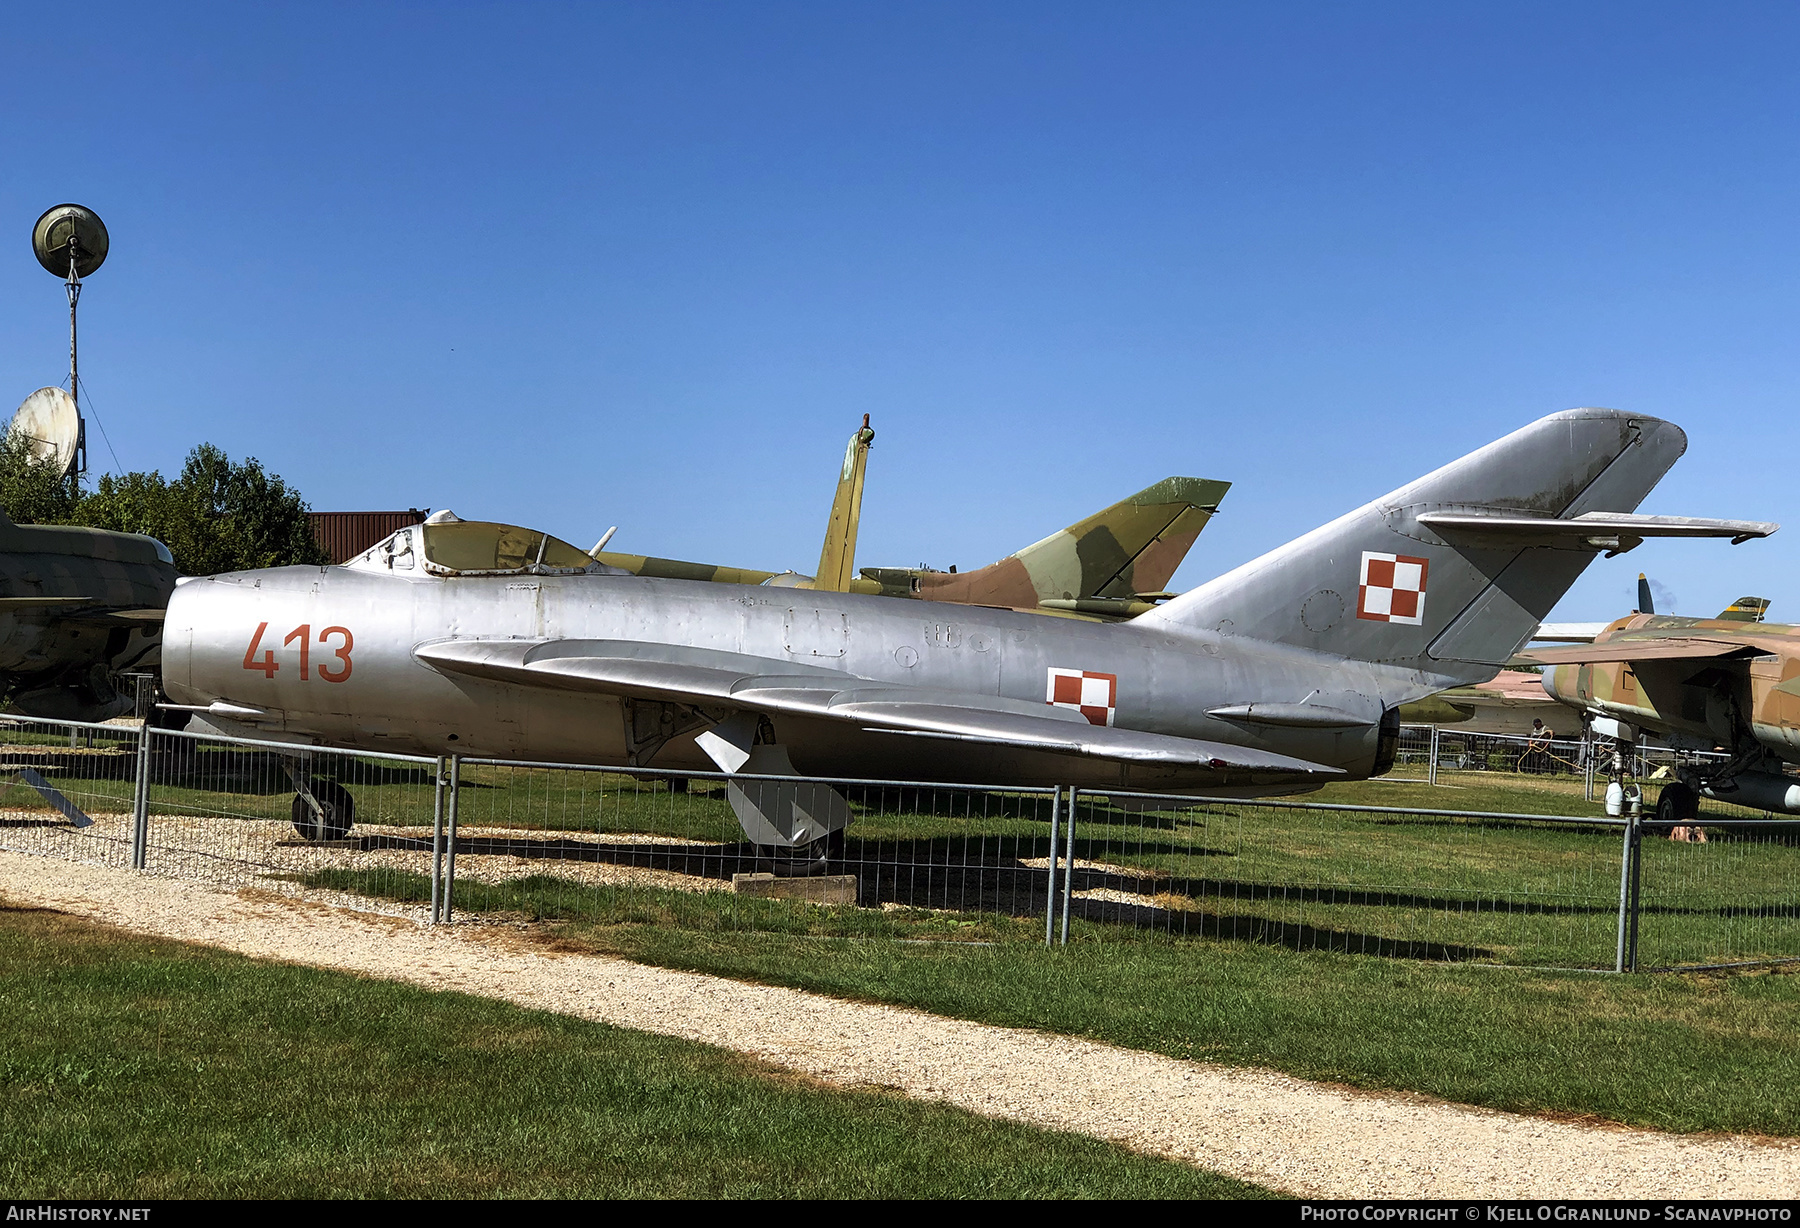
[1307,1138]
[221,848]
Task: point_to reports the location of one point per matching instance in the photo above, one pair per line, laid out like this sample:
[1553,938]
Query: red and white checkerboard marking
[1095,696]
[1393,588]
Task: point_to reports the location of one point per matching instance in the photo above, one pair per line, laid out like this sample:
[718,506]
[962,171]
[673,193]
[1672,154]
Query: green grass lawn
[1675,1052]
[1321,942]
[140,1068]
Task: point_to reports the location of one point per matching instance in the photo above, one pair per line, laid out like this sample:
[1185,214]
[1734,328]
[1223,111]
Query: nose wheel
[324,810]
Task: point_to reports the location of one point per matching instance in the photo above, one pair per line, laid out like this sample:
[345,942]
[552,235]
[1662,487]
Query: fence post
[1625,958]
[437,842]
[1637,871]
[1050,893]
[1436,734]
[1069,872]
[450,843]
[140,798]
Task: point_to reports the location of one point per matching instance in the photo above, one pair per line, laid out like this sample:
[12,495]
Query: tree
[217,516]
[33,491]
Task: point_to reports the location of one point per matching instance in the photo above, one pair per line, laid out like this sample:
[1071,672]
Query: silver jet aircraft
[1287,672]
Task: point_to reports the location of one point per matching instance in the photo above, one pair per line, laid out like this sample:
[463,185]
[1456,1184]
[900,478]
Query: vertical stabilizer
[1101,564]
[1745,610]
[837,560]
[1379,585]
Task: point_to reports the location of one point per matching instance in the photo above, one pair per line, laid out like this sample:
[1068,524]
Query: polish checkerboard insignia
[1392,588]
[1095,696]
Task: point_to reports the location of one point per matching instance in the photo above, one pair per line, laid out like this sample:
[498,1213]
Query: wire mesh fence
[67,789]
[1715,893]
[1542,755]
[608,847]
[288,818]
[1435,752]
[1441,885]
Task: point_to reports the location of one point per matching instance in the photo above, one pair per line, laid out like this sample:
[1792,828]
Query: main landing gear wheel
[1678,803]
[337,812]
[805,861]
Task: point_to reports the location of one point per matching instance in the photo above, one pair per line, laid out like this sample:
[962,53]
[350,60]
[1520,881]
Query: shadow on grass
[942,876]
[1267,931]
[99,763]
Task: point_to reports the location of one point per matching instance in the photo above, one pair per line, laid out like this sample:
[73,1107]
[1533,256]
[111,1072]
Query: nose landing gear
[323,809]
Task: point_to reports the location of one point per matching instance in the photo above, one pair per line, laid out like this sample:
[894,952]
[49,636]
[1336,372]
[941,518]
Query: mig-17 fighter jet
[1282,674]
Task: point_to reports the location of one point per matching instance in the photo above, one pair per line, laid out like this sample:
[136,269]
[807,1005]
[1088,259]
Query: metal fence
[602,847]
[1441,755]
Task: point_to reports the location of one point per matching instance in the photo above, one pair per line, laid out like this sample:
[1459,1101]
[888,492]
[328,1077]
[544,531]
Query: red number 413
[303,633]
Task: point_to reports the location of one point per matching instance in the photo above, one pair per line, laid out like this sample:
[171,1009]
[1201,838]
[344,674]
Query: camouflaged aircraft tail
[1384,584]
[1745,610]
[1114,562]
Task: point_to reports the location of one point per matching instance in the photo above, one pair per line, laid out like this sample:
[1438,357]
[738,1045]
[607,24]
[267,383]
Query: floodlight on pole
[70,242]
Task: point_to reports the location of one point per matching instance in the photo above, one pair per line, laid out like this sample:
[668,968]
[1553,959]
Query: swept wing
[708,678]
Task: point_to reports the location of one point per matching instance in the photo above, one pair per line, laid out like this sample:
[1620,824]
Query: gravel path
[1306,1138]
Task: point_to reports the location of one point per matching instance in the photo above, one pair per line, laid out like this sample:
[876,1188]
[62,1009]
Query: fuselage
[77,610]
[327,654]
[1698,701]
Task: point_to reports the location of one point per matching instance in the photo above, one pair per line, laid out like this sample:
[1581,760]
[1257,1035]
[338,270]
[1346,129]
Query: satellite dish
[50,239]
[50,426]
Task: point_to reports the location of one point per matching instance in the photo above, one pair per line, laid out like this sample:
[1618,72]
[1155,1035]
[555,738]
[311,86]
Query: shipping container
[348,534]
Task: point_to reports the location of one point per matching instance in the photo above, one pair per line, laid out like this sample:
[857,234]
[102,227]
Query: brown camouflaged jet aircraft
[1698,683]
[79,608]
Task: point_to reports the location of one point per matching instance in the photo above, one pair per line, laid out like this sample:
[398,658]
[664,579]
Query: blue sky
[648,264]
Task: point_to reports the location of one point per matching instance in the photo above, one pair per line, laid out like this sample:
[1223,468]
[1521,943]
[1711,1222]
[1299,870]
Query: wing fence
[451,838]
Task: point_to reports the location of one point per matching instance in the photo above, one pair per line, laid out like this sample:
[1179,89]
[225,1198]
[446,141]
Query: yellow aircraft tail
[837,560]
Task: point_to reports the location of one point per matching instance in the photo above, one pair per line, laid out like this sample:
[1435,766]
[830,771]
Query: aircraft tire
[1677,804]
[339,816]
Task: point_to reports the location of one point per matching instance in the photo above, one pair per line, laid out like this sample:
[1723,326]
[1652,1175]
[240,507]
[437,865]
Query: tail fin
[1132,547]
[1383,584]
[838,557]
[1104,561]
[1745,610]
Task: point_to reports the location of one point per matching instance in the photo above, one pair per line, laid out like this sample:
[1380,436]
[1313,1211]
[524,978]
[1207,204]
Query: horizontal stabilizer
[1662,648]
[738,682]
[1615,532]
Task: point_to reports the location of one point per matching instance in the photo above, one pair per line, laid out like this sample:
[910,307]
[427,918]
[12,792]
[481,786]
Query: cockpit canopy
[445,546]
